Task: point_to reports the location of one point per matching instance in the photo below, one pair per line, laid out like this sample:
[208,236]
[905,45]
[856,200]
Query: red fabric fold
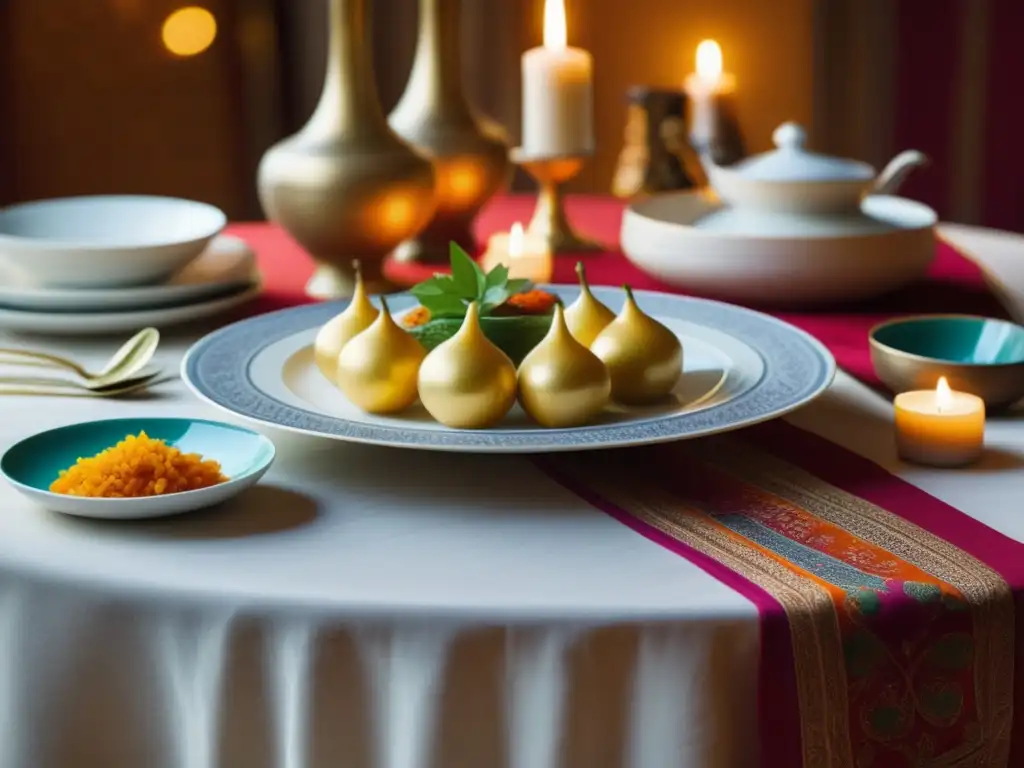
[954,284]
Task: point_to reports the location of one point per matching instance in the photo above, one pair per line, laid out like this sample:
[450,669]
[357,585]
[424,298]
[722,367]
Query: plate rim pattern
[798,368]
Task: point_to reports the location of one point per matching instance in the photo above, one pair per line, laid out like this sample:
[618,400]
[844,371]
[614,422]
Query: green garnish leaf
[519,285]
[435,286]
[497,276]
[468,278]
[445,306]
[494,297]
[450,295]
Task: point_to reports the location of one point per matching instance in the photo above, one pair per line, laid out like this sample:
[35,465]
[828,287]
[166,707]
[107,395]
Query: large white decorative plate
[740,368]
[125,321]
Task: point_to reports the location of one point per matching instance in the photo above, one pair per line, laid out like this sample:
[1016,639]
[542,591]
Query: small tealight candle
[939,427]
[525,256]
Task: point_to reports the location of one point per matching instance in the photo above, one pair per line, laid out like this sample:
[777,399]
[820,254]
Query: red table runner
[954,285]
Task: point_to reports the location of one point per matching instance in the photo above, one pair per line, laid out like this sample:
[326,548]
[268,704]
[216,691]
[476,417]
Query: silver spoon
[132,357]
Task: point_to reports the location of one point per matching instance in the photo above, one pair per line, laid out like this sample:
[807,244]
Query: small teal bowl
[31,465]
[979,355]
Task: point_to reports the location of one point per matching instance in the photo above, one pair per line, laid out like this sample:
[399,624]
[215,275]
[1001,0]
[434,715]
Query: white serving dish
[105,241]
[791,179]
[690,240]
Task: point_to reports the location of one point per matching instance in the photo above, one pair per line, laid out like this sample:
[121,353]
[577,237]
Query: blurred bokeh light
[189,31]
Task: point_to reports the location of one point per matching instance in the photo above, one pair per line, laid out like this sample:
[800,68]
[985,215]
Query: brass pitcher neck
[437,68]
[349,104]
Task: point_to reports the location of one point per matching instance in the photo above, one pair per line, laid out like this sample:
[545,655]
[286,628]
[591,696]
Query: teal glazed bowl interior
[37,461]
[983,356]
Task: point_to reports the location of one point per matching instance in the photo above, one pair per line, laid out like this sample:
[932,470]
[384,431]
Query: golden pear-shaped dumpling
[355,319]
[378,369]
[643,357]
[561,382]
[586,317]
[467,382]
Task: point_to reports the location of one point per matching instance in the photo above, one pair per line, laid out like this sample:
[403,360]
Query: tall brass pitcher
[346,186]
[470,153]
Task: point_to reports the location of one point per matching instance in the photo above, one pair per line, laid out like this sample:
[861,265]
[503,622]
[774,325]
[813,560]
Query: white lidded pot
[791,179]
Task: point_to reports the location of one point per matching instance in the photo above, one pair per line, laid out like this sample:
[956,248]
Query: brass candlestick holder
[549,220]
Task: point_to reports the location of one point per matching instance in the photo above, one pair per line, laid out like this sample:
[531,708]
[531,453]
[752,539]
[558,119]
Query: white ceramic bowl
[105,241]
[690,241]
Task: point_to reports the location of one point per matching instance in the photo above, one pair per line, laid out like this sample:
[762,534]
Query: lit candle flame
[556,37]
[515,241]
[709,61]
[943,395]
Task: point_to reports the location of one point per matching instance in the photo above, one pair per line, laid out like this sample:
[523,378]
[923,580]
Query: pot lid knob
[790,161]
[789,136]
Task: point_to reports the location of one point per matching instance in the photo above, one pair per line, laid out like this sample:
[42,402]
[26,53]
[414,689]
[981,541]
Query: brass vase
[470,153]
[345,186]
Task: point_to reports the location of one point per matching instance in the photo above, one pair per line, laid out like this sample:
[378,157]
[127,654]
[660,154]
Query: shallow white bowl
[691,241]
[105,241]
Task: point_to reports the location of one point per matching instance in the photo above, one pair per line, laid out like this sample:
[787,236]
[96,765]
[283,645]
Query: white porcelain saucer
[227,264]
[125,321]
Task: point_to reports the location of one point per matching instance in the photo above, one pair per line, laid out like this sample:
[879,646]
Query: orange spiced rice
[138,466]
[535,302]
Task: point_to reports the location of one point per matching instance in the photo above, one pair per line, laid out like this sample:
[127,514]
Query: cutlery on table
[123,365]
[52,387]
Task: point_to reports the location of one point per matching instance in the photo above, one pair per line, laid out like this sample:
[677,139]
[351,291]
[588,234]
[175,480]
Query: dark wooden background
[90,102]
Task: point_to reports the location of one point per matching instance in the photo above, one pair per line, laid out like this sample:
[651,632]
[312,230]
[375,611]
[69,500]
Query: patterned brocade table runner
[888,618]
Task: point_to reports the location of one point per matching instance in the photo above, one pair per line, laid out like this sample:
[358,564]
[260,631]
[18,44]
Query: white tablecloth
[379,608]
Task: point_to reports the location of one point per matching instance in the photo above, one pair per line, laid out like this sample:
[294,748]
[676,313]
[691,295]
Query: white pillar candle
[558,93]
[939,427]
[526,256]
[706,88]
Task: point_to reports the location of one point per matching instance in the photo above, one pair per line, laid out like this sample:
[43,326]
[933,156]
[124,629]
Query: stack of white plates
[112,264]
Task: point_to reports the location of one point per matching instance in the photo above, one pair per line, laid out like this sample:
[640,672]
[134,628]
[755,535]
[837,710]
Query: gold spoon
[132,357]
[42,386]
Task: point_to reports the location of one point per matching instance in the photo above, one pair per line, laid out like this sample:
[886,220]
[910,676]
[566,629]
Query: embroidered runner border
[887,617]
